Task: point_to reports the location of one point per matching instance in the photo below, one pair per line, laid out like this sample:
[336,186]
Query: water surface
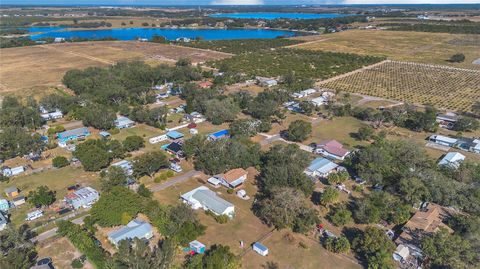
[278,15]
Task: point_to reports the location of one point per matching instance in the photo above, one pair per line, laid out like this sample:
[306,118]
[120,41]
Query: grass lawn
[61,251]
[339,128]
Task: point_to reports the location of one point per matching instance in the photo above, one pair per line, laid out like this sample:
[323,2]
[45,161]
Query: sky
[231,2]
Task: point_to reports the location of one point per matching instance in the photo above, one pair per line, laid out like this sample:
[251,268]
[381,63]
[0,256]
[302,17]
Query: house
[53,115]
[427,220]
[10,172]
[443,140]
[205,84]
[476,147]
[319,101]
[175,167]
[11,192]
[3,222]
[59,40]
[174,135]
[4,205]
[123,122]
[452,160]
[175,149]
[197,247]
[34,215]
[18,201]
[332,149]
[233,178]
[134,229]
[266,82]
[260,249]
[469,144]
[203,197]
[183,39]
[157,139]
[73,134]
[126,166]
[320,167]
[304,93]
[447,120]
[293,106]
[194,117]
[218,135]
[83,197]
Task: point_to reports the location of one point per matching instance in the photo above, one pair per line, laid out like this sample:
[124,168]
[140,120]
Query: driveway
[175,180]
[52,232]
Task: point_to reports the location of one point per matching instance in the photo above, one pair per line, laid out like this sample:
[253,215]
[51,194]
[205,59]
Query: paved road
[52,232]
[175,180]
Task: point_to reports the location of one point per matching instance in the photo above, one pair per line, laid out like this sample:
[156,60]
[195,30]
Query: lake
[170,34]
[278,15]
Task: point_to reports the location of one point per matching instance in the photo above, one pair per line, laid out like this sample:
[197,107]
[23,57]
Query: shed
[197,247]
[11,191]
[18,201]
[452,159]
[260,249]
[193,131]
[174,135]
[105,134]
[214,181]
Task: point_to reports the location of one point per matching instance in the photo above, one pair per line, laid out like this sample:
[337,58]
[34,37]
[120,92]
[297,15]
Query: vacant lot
[35,69]
[61,251]
[442,86]
[433,48]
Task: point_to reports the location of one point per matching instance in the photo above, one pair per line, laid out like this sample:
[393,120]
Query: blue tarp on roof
[174,135]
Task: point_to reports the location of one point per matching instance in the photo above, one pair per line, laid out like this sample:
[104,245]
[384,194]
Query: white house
[320,167]
[126,166]
[157,139]
[134,229]
[452,159]
[304,93]
[203,197]
[54,115]
[443,140]
[10,172]
[332,149]
[319,101]
[123,122]
[266,82]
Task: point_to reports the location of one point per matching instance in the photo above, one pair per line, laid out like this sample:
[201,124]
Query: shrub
[230,191]
[77,263]
[60,161]
[133,142]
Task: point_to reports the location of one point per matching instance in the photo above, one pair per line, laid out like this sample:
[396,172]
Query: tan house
[233,178]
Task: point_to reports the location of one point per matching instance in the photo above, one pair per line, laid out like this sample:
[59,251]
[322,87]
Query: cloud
[237,2]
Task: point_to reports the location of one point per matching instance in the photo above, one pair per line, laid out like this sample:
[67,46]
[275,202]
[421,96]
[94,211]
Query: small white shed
[260,249]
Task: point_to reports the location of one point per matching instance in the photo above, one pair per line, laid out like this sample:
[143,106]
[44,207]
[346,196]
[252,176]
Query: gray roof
[134,229]
[74,132]
[11,189]
[211,200]
[3,220]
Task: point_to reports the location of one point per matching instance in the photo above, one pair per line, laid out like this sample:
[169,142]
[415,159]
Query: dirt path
[306,43]
[79,55]
[322,82]
[175,180]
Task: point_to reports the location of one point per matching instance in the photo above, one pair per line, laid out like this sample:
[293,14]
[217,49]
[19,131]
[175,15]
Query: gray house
[82,197]
[134,229]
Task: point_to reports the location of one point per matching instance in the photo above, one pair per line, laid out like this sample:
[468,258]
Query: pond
[278,15]
[170,34]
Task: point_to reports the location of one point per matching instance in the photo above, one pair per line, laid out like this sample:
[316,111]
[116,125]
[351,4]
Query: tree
[337,178]
[340,216]
[149,163]
[114,176]
[375,247]
[244,127]
[307,107]
[138,254]
[446,250]
[97,116]
[144,191]
[220,111]
[42,196]
[337,245]
[112,205]
[159,39]
[60,161]
[183,62]
[457,58]
[329,195]
[218,257]
[133,142]
[365,133]
[16,249]
[93,155]
[466,124]
[298,131]
[287,207]
[283,166]
[15,141]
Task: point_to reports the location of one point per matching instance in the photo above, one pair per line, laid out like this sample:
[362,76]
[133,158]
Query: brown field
[37,69]
[434,48]
[61,251]
[441,86]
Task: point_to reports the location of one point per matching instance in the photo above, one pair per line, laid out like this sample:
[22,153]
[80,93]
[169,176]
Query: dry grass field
[434,48]
[442,86]
[37,69]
